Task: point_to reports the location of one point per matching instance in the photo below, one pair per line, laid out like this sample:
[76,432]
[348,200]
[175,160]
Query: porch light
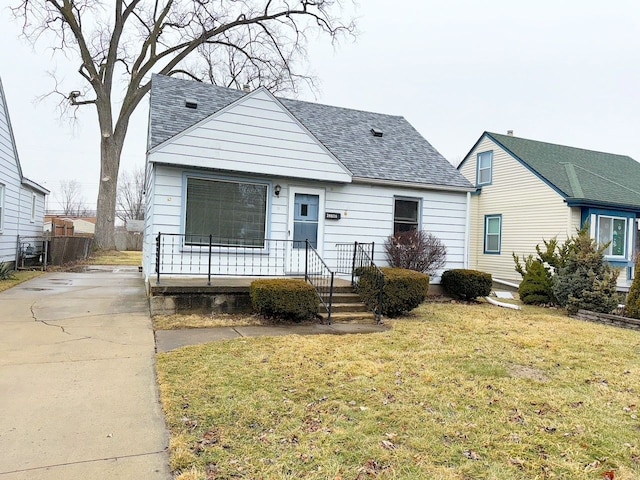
[277,190]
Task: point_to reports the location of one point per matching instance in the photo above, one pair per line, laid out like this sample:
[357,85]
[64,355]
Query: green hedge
[466,284]
[284,299]
[403,289]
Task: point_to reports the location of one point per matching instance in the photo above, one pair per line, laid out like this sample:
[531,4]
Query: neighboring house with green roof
[530,191]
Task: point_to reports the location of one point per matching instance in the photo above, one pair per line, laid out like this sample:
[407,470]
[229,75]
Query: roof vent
[246,88]
[376,132]
[510,133]
[191,104]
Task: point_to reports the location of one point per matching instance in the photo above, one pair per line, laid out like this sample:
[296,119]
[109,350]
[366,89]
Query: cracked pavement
[78,395]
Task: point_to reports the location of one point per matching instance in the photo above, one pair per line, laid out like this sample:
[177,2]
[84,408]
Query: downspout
[467,233]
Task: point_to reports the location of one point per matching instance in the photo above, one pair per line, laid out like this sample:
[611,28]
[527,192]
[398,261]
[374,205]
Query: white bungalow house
[22,201]
[237,182]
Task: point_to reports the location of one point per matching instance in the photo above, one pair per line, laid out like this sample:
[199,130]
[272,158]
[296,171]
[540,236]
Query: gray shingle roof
[400,155]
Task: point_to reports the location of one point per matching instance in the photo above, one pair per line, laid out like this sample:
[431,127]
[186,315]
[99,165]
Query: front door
[306,211]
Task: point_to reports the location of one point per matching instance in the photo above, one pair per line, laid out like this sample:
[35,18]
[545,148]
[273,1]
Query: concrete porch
[186,295]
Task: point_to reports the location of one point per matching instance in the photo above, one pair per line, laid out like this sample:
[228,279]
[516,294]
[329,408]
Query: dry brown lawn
[455,392]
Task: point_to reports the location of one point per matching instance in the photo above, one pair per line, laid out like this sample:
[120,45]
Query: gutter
[396,183]
[467,233]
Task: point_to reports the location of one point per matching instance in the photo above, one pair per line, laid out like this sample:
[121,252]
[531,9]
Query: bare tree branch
[118,45]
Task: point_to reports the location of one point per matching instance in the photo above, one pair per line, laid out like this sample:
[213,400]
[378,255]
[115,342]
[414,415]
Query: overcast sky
[563,72]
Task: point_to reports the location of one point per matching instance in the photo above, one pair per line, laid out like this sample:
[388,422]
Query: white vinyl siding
[16,199]
[1,206]
[367,214]
[531,212]
[254,135]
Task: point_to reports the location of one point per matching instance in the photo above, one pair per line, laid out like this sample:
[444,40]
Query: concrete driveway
[78,396]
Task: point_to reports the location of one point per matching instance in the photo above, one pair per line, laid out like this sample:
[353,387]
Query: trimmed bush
[632,308]
[536,287]
[403,289]
[466,284]
[284,299]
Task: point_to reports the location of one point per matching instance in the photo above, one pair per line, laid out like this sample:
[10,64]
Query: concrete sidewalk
[78,396]
[167,340]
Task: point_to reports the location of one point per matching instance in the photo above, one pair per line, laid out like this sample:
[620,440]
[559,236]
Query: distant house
[22,201]
[530,191]
[69,226]
[261,175]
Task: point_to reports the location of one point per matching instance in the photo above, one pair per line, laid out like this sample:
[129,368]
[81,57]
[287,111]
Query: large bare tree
[131,195]
[117,44]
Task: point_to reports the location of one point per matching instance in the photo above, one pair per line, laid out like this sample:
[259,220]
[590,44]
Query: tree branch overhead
[120,43]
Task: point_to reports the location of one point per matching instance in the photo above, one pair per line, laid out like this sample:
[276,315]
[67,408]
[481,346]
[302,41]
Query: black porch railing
[318,274]
[363,260]
[179,254]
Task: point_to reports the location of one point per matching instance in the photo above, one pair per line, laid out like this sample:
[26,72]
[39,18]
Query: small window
[492,233]
[33,207]
[405,215]
[613,230]
[485,167]
[1,206]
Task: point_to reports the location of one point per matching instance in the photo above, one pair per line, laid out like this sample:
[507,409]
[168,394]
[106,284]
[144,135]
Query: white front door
[306,222]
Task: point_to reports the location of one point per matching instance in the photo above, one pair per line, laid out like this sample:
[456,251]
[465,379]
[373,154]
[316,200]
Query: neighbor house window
[33,207]
[232,212]
[613,230]
[1,206]
[406,215]
[485,167]
[492,233]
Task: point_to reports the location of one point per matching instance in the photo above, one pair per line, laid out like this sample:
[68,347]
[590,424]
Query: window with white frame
[613,230]
[1,206]
[34,201]
[485,168]
[406,215]
[492,233]
[232,212]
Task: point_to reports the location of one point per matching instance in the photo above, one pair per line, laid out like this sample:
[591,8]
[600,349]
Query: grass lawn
[19,277]
[456,392]
[114,257]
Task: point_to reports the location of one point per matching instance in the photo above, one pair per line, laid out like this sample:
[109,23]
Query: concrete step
[350,317]
[349,307]
[342,289]
[346,298]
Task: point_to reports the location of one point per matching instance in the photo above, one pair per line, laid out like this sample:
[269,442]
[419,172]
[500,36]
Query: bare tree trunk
[110,152]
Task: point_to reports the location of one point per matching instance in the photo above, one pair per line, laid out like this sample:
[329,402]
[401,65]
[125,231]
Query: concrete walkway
[167,340]
[78,396]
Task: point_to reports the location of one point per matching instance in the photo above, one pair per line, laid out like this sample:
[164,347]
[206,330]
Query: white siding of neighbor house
[366,211]
[531,212]
[17,200]
[256,134]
